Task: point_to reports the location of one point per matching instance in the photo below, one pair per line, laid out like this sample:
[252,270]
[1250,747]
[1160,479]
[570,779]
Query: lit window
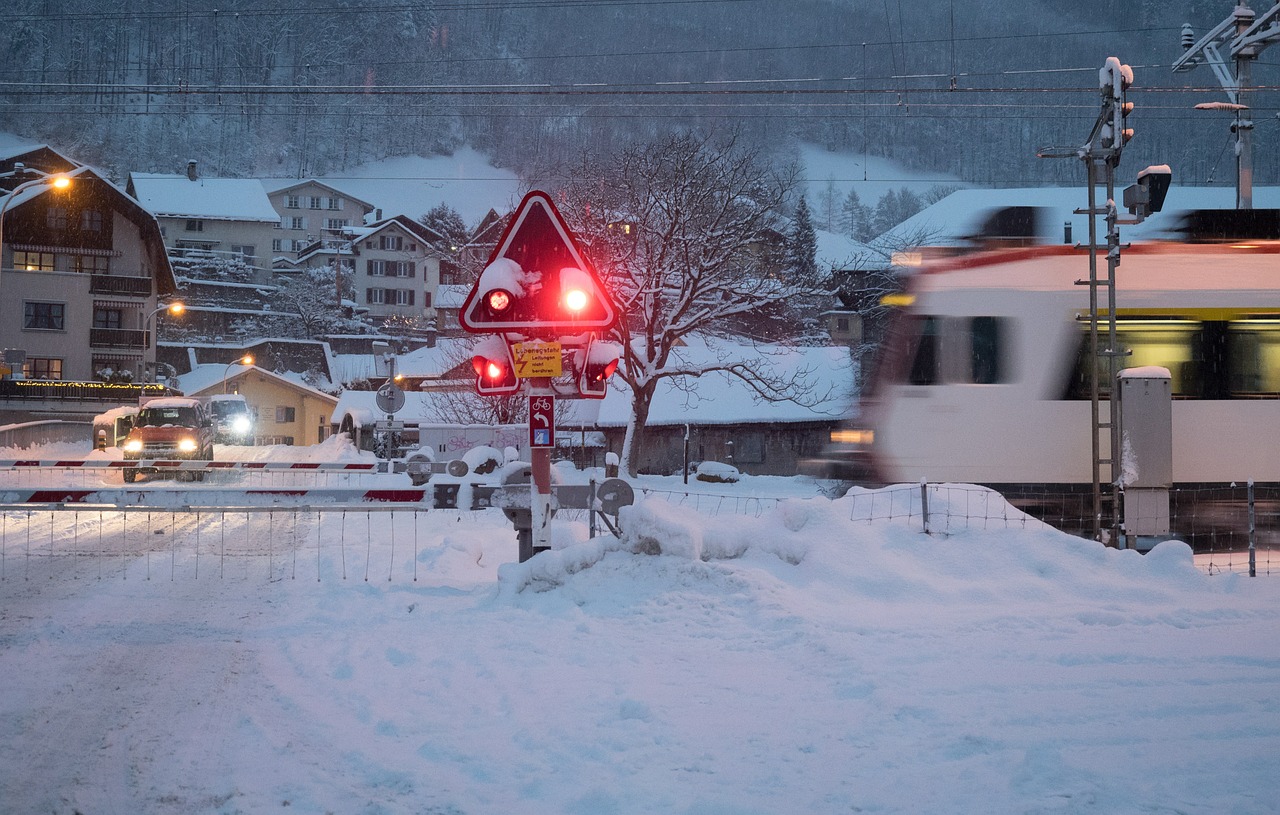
[42,368]
[33,261]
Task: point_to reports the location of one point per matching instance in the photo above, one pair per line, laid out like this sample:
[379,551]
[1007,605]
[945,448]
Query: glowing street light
[174,309]
[247,359]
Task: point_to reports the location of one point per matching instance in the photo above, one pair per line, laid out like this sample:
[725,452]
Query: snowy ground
[731,655]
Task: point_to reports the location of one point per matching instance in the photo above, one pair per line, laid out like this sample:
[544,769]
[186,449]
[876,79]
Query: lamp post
[175,308]
[247,359]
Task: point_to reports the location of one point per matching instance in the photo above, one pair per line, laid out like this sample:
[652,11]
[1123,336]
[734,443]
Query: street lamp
[175,309]
[247,359]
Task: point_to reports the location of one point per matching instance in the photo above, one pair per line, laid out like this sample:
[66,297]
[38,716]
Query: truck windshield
[221,410]
[159,417]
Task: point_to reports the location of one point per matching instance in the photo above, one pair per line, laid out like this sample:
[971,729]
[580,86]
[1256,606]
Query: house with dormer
[397,268]
[82,270]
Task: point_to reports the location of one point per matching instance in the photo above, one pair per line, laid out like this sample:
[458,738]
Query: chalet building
[397,266]
[311,211]
[213,219]
[83,271]
[286,410]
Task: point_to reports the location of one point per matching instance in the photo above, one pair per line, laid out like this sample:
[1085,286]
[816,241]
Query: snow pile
[802,658]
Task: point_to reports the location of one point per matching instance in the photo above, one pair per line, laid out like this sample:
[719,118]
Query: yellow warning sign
[537,359]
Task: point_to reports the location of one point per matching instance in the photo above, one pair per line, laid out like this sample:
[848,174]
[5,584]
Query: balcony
[120,285]
[117,338]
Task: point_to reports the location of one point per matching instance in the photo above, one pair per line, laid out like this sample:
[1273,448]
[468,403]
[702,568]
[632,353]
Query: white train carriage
[984,378]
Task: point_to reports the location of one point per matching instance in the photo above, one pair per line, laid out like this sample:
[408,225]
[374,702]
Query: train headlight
[857,436]
[133,446]
[187,445]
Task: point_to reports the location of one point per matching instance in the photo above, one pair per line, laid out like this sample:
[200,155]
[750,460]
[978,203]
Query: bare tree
[687,233]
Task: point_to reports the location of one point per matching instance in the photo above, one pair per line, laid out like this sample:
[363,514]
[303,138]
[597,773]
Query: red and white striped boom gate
[194,466]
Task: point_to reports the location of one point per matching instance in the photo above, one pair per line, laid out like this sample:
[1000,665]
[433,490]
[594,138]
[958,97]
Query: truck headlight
[133,446]
[187,445]
[240,425]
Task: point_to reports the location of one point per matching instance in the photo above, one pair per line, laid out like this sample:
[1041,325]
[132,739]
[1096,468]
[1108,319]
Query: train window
[1254,357]
[1172,344]
[986,350]
[924,351]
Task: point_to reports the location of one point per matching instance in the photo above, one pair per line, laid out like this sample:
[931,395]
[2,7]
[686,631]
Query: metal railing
[120,285]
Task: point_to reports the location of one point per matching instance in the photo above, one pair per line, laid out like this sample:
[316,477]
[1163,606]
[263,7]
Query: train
[984,377]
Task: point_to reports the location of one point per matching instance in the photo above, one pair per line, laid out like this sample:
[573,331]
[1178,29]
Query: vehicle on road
[170,428]
[232,419]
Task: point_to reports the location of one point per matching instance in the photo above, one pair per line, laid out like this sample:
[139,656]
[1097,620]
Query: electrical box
[1145,408]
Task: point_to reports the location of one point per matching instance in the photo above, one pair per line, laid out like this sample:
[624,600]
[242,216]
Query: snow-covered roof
[720,398]
[836,251]
[959,216]
[465,180]
[225,199]
[275,185]
[432,362]
[451,295]
[210,377]
[417,405]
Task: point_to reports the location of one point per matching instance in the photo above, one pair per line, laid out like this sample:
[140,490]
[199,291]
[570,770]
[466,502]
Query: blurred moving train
[984,377]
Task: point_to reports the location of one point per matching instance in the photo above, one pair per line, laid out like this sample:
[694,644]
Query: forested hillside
[290,88]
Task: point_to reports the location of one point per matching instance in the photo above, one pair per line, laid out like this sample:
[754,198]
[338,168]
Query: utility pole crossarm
[1264,31]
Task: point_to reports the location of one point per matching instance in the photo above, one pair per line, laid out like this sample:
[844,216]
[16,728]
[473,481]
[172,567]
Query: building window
[376,268]
[748,448]
[335,203]
[33,261]
[195,225]
[297,223]
[426,299]
[376,297]
[285,415]
[246,251]
[291,202]
[336,224]
[45,316]
[56,217]
[404,297]
[106,318]
[277,245]
[400,268]
[91,264]
[91,220]
[42,368]
[315,202]
[448,273]
[392,242]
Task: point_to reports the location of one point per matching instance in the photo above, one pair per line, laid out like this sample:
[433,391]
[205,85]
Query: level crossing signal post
[541,304]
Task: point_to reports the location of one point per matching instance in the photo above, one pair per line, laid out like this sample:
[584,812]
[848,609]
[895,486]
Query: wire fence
[1231,529]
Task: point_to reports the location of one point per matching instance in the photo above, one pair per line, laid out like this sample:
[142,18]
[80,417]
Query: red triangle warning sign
[537,280]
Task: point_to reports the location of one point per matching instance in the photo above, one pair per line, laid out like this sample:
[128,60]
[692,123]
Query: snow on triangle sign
[537,280]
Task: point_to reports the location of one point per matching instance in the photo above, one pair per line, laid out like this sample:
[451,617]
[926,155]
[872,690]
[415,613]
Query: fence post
[924,505]
[1253,562]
